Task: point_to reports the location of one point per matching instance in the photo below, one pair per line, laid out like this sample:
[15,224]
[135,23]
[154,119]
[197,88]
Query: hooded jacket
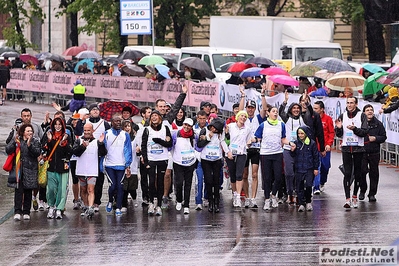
[306,154]
[310,118]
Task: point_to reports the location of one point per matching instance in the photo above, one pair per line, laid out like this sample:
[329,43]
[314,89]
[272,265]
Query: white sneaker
[118,212]
[309,207]
[41,205]
[50,214]
[124,209]
[301,208]
[316,192]
[354,202]
[45,205]
[178,206]
[322,188]
[247,202]
[274,202]
[206,203]
[158,211]
[237,201]
[186,210]
[266,207]
[151,208]
[26,217]
[199,207]
[17,217]
[96,208]
[58,214]
[253,203]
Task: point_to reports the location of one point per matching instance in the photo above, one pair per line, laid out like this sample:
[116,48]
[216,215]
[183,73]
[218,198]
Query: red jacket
[328,129]
[231,119]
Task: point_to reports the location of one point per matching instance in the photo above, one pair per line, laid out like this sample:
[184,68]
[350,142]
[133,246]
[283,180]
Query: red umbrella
[26,57]
[74,50]
[271,71]
[239,67]
[285,80]
[109,108]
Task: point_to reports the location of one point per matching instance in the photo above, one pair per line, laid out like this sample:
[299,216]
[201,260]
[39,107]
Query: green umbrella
[371,86]
[306,69]
[152,60]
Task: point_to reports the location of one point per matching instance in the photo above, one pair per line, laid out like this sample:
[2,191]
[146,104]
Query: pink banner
[117,88]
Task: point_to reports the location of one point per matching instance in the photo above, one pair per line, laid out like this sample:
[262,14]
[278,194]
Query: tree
[102,18]
[19,18]
[323,8]
[74,34]
[176,15]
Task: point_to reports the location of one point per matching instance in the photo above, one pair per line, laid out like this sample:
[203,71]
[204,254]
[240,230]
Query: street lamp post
[49,26]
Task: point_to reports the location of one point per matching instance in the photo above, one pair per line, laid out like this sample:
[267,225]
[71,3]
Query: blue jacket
[306,156]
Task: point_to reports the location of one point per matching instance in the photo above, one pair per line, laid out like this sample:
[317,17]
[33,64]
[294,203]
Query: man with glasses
[352,127]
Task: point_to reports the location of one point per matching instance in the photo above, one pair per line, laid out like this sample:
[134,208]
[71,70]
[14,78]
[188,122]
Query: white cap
[188,121]
[83,111]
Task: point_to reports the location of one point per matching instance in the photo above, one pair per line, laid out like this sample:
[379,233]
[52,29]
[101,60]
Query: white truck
[287,41]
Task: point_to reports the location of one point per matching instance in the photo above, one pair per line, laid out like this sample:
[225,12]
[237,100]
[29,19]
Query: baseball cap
[188,121]
[204,103]
[251,103]
[83,111]
[75,116]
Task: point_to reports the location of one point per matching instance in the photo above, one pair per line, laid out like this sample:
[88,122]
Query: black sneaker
[372,199]
[361,196]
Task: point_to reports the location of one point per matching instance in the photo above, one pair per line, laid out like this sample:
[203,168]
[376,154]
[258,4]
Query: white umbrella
[88,54]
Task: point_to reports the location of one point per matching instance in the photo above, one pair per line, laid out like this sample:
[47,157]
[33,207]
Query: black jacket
[376,129]
[4,75]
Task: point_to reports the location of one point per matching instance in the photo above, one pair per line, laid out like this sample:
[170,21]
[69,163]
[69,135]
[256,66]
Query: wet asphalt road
[233,237]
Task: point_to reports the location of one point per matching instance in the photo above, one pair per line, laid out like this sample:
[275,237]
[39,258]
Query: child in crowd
[130,183]
[306,167]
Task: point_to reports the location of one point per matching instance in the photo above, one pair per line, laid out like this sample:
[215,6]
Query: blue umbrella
[163,71]
[88,61]
[373,68]
[251,72]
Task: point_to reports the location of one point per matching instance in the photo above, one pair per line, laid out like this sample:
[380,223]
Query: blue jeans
[115,178]
[199,188]
[324,167]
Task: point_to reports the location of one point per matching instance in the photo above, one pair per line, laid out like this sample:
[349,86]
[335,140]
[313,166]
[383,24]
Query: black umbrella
[207,74]
[132,54]
[6,49]
[258,60]
[10,54]
[169,59]
[196,63]
[56,57]
[112,60]
[133,70]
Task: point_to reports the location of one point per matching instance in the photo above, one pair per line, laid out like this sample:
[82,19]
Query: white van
[171,52]
[217,58]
